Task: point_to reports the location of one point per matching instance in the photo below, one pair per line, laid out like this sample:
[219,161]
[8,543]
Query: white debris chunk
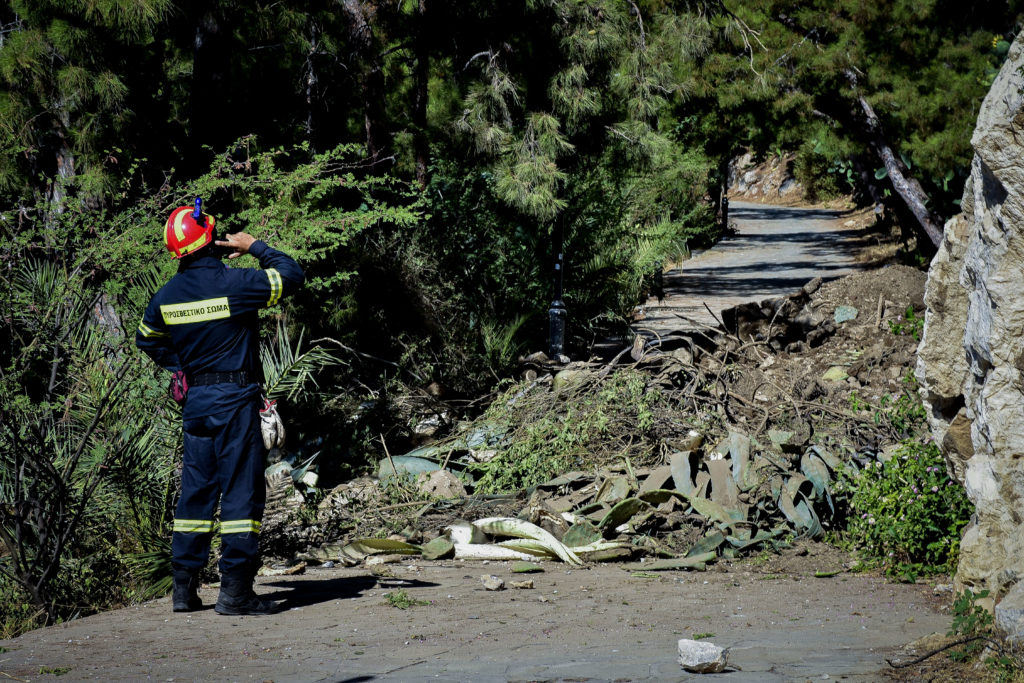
[701,657]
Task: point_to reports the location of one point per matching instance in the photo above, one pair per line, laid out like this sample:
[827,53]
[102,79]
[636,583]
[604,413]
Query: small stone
[492,582]
[845,313]
[543,598]
[835,374]
[440,484]
[812,286]
[702,657]
[522,585]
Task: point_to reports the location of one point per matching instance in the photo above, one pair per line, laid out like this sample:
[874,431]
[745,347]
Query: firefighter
[203,326]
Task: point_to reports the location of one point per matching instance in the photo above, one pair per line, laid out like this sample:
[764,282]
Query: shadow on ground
[305,593]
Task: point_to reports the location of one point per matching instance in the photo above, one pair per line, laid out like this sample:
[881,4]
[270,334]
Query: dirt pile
[687,449]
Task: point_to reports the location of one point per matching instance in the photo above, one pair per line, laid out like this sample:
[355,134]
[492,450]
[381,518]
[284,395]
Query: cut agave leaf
[488,551]
[581,533]
[706,545]
[715,512]
[439,548]
[622,512]
[681,471]
[528,546]
[606,554]
[462,531]
[698,562]
[509,526]
[815,469]
[361,548]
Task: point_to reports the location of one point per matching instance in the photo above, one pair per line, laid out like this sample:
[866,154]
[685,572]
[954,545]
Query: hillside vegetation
[427,163]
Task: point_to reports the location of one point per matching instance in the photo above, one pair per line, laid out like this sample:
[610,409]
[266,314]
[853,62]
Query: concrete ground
[776,250]
[598,624]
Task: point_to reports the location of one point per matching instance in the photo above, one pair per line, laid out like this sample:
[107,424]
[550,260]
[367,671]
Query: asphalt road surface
[598,624]
[776,251]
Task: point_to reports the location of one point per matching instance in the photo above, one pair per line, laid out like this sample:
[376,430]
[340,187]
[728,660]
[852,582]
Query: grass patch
[402,600]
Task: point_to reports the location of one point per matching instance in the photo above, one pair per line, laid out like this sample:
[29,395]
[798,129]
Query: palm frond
[286,371]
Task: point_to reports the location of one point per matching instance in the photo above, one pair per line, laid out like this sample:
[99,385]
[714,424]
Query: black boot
[237,598]
[186,591]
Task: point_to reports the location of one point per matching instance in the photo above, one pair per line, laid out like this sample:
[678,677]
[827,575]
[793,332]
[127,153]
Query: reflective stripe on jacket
[205,319]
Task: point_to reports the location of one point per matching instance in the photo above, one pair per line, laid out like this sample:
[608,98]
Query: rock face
[971,359]
[769,181]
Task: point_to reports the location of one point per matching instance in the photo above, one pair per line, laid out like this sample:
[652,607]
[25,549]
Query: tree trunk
[310,77]
[420,94]
[361,15]
[908,188]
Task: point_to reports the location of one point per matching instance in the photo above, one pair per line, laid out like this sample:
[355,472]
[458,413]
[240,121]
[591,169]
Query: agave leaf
[438,548]
[489,551]
[359,549]
[528,546]
[462,531]
[622,513]
[681,471]
[708,544]
[659,496]
[508,526]
[697,562]
[815,469]
[526,568]
[834,463]
[581,533]
[714,511]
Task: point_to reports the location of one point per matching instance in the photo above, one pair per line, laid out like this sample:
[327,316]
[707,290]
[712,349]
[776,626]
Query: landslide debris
[678,451]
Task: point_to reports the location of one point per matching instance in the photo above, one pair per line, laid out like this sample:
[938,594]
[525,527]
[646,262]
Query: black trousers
[224,460]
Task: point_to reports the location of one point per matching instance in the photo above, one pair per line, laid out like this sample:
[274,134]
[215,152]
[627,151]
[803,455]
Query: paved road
[597,624]
[776,251]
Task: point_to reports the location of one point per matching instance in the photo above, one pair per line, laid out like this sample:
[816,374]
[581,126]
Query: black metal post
[557,313]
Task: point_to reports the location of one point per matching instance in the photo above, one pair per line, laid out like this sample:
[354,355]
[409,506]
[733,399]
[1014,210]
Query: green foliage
[54,670]
[286,372]
[903,413]
[975,625]
[400,599]
[969,620]
[549,444]
[426,168]
[791,74]
[82,479]
[911,324]
[906,514]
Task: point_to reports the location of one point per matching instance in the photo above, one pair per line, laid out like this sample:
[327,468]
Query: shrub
[907,513]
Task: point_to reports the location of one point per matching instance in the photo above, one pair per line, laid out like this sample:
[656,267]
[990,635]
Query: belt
[241,378]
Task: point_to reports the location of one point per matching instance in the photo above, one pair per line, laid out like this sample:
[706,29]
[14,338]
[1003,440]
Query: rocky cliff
[971,359]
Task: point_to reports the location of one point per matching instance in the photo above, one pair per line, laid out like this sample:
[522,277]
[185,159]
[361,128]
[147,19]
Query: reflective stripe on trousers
[223,462]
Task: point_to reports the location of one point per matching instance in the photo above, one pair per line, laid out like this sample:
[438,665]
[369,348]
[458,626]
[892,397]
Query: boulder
[702,657]
[1010,614]
[971,359]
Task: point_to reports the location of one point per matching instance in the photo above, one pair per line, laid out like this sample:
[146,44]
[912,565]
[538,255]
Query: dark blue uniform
[205,321]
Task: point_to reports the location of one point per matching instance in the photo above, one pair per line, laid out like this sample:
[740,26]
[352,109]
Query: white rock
[1010,614]
[702,657]
[972,353]
[492,582]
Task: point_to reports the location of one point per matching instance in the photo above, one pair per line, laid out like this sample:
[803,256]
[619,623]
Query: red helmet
[183,234]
